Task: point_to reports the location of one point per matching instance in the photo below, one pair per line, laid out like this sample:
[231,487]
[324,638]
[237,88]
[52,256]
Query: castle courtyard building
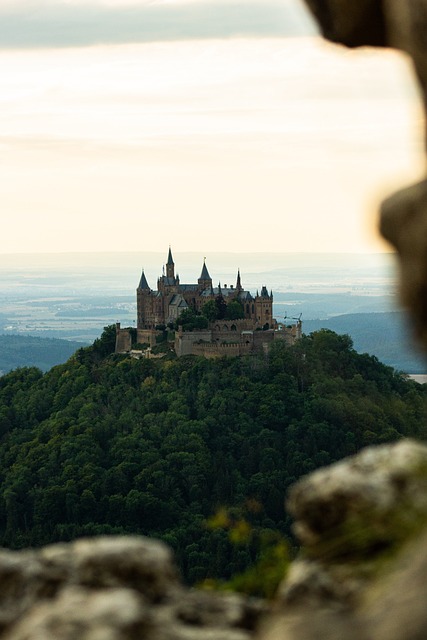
[252,329]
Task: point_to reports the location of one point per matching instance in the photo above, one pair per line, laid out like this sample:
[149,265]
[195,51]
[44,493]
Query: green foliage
[218,309]
[271,550]
[106,344]
[234,310]
[221,306]
[164,347]
[210,311]
[107,444]
[190,320]
[133,336]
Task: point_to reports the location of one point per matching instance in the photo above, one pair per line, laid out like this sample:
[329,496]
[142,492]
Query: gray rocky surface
[362,523]
[401,24]
[124,588]
[352,518]
[360,575]
[362,572]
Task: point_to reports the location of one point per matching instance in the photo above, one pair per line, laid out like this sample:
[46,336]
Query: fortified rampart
[238,322]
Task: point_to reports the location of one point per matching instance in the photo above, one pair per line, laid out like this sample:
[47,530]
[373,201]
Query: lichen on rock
[352,518]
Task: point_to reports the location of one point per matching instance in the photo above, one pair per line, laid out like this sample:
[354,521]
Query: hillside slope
[385,335]
[27,351]
[108,444]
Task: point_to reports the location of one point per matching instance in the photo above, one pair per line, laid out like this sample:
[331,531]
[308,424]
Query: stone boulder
[123,588]
[401,24]
[360,575]
[362,571]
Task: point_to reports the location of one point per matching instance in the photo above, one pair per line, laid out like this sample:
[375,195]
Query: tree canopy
[109,444]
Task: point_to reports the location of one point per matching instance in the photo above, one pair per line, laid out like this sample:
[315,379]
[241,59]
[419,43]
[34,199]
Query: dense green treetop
[109,444]
[216,309]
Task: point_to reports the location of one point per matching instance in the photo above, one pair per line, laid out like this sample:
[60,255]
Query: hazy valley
[73,296]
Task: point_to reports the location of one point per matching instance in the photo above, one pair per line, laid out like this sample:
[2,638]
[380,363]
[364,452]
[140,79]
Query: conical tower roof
[170,259]
[205,273]
[143,284]
[238,283]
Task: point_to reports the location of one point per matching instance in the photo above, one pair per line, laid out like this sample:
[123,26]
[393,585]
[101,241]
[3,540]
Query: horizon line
[178,251]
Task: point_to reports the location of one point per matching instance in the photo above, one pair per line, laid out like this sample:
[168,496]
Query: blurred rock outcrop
[112,589]
[401,24]
[362,523]
[362,571]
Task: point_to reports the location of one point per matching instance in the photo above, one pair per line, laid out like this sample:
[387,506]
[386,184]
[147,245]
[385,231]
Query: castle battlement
[237,322]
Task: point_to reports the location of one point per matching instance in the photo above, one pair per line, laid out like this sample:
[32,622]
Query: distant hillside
[385,335]
[105,444]
[27,351]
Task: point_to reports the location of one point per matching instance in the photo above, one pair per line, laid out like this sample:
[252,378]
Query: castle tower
[143,284]
[205,281]
[264,309]
[143,293]
[167,284]
[170,266]
[239,283]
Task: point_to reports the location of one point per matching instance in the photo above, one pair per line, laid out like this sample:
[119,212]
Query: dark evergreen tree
[116,445]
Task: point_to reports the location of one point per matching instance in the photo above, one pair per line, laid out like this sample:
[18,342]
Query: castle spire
[205,273]
[170,266]
[238,283]
[143,284]
[205,281]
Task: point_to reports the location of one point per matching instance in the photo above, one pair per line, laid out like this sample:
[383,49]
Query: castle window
[233,327]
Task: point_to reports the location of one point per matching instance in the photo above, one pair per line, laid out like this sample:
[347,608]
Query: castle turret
[143,295]
[170,266]
[239,283]
[143,284]
[264,309]
[205,281]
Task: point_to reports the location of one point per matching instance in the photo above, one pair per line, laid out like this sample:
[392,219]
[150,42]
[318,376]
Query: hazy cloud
[51,24]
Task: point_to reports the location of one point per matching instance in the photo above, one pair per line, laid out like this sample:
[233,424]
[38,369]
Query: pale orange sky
[249,141]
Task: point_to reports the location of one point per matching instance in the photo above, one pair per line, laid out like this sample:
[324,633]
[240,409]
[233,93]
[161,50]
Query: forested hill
[107,444]
[385,335]
[21,350]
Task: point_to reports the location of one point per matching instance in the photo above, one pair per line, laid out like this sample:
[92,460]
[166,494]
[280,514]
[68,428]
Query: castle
[240,323]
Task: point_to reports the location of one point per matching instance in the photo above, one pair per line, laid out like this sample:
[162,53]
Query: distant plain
[73,296]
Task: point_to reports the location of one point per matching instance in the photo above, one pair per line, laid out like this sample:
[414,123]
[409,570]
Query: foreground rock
[112,589]
[361,573]
[363,567]
[401,24]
